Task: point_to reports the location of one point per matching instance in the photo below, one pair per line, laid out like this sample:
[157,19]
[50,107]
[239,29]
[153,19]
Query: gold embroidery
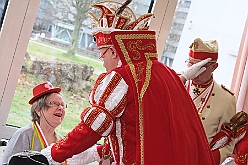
[92,116]
[98,81]
[121,105]
[123,128]
[148,55]
[95,113]
[139,70]
[60,142]
[106,124]
[110,19]
[110,116]
[121,22]
[136,46]
[86,110]
[121,37]
[80,128]
[148,73]
[109,89]
[242,158]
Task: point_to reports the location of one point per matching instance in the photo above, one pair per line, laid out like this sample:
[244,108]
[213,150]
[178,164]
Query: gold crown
[115,16]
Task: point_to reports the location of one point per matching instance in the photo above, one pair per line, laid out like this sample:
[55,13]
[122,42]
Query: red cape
[169,130]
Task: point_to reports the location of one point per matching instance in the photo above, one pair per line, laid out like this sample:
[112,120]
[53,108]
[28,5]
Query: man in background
[215,103]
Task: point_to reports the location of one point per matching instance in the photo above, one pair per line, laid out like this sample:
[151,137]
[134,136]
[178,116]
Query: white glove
[88,156]
[47,153]
[196,69]
[229,161]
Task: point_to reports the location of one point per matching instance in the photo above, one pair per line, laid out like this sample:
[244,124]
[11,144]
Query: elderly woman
[47,111]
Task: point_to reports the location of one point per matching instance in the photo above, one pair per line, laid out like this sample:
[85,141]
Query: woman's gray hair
[40,104]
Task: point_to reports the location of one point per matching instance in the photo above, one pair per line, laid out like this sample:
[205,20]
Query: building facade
[174,36]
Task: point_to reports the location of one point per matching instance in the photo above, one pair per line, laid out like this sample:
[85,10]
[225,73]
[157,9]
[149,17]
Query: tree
[74,12]
[82,7]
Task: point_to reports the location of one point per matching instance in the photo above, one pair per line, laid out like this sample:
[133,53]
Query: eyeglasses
[189,63]
[103,54]
[55,104]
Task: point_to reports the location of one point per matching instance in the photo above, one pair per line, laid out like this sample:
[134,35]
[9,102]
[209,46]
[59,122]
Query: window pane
[175,32]
[51,56]
[3,7]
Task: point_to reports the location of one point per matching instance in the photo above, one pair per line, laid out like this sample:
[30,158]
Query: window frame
[14,38]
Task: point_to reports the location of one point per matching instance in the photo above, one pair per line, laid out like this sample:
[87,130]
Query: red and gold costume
[141,107]
[241,149]
[237,128]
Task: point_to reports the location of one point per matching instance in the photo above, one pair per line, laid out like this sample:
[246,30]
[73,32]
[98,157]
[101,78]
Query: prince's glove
[88,156]
[196,69]
[47,153]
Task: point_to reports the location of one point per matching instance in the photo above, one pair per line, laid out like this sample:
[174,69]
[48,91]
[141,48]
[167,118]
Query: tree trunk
[74,37]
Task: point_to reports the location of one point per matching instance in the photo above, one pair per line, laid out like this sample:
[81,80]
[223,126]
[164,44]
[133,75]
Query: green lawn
[48,52]
[20,109]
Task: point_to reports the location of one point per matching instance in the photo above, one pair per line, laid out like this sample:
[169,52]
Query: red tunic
[145,112]
[171,131]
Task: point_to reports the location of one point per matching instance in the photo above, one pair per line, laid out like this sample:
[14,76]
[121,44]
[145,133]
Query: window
[167,61]
[51,29]
[171,49]
[47,59]
[178,26]
[3,8]
[181,15]
[174,37]
[185,4]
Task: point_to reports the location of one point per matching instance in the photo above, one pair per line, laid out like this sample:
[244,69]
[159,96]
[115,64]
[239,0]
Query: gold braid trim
[119,39]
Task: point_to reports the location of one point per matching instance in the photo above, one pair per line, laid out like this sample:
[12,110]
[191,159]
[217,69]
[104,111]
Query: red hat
[42,89]
[115,16]
[201,50]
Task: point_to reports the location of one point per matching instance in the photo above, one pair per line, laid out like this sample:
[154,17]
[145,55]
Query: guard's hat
[201,50]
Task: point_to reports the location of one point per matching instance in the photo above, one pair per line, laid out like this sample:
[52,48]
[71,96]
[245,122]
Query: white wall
[222,20]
